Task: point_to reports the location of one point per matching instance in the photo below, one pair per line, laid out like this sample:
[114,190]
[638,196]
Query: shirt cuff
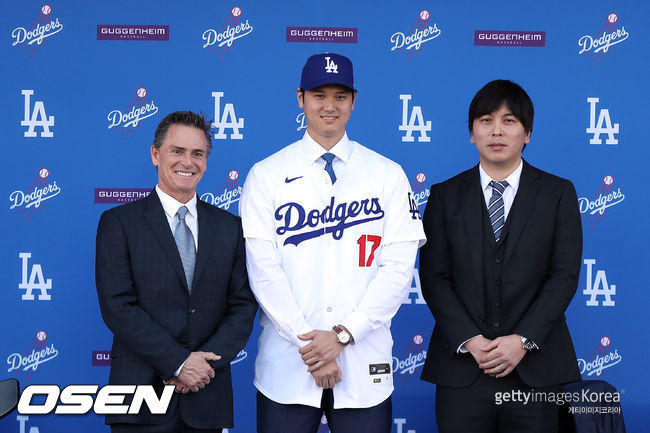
[461,349]
[178,371]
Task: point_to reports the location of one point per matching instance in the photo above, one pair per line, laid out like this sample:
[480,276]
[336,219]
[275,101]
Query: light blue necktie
[329,157]
[496,208]
[185,243]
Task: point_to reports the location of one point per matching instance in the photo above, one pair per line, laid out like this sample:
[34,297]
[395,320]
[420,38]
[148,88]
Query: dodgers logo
[600,43]
[137,110]
[341,216]
[38,117]
[234,28]
[32,199]
[606,196]
[38,353]
[412,360]
[420,191]
[598,286]
[330,66]
[421,33]
[602,359]
[603,126]
[240,357]
[229,194]
[44,26]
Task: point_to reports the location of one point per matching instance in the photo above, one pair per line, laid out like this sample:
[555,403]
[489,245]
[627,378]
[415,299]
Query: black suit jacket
[540,276]
[156,323]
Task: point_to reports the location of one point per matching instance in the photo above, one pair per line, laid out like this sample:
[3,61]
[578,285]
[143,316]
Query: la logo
[38,117]
[604,125]
[330,66]
[228,120]
[414,123]
[36,280]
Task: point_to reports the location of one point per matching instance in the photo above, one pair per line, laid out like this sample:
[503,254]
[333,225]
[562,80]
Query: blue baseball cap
[327,68]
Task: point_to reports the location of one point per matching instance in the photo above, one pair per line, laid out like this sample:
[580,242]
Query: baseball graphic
[41,335]
[608,180]
[236,11]
[424,14]
[233,175]
[46,9]
[605,341]
[418,339]
[612,18]
[421,177]
[142,92]
[44,173]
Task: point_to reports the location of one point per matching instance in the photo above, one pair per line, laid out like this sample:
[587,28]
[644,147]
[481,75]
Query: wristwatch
[527,344]
[342,336]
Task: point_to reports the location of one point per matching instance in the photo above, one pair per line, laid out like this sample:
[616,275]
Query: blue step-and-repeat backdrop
[84,84]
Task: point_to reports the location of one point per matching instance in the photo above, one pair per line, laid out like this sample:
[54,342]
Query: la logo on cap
[330,66]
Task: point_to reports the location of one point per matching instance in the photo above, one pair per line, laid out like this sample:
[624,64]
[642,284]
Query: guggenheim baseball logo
[44,26]
[225,38]
[120,195]
[509,38]
[343,35]
[132,32]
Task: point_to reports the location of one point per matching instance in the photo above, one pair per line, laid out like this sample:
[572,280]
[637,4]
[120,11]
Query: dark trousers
[274,417]
[483,407]
[175,425]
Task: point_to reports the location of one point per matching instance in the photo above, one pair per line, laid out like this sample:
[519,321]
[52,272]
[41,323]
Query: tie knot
[498,186]
[182,211]
[328,157]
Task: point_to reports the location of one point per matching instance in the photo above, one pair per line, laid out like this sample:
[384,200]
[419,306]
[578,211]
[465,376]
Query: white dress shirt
[304,265]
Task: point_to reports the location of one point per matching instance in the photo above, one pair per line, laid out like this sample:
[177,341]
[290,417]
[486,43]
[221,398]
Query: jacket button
[497,260]
[497,324]
[498,283]
[192,310]
[481,318]
[498,304]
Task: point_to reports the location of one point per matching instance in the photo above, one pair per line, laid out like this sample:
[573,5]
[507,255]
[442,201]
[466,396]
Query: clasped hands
[195,373]
[497,357]
[320,357]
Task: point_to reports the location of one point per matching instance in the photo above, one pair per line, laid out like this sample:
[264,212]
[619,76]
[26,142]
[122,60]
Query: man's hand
[327,376]
[323,349]
[502,355]
[476,346]
[196,372]
[179,386]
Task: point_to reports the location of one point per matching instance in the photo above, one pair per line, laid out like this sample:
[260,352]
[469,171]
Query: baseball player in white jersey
[332,231]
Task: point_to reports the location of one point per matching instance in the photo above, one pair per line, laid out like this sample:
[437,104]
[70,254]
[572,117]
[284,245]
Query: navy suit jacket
[541,265]
[156,323]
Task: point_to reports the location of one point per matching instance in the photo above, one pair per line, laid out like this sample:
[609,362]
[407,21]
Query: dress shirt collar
[171,205]
[314,151]
[512,179]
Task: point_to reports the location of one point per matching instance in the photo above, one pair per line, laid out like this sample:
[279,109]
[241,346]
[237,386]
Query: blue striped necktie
[185,243]
[329,157]
[496,208]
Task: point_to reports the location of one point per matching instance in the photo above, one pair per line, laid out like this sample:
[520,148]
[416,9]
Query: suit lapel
[526,194]
[472,217]
[207,233]
[155,216]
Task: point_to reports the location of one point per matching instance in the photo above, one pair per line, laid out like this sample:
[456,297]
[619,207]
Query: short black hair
[187,118]
[498,93]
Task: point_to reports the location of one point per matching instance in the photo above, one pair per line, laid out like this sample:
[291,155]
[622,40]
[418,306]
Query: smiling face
[499,138]
[327,110]
[181,161]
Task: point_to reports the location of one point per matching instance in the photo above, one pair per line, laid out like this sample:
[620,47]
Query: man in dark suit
[173,289]
[499,269]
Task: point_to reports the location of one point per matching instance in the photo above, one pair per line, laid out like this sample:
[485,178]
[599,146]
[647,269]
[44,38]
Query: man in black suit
[499,269]
[172,285]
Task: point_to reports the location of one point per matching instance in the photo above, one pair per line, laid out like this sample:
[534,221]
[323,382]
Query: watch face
[343,337]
